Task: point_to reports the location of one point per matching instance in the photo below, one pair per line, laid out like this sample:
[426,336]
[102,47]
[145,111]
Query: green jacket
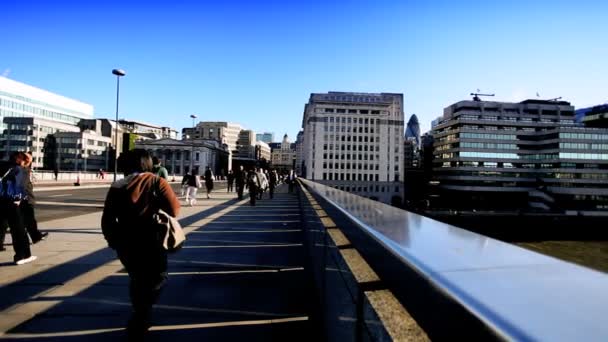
[160,171]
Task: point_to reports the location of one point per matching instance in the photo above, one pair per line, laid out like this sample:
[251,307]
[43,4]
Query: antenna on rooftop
[478,94]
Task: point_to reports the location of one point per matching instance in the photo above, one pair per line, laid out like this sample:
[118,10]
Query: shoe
[26,260]
[43,236]
[137,327]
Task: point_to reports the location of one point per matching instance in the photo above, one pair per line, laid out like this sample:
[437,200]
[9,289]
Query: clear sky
[256,62]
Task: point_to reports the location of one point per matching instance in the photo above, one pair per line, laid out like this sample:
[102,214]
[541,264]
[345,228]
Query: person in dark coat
[127,225]
[253,183]
[27,205]
[13,189]
[208,181]
[272,182]
[240,178]
[230,178]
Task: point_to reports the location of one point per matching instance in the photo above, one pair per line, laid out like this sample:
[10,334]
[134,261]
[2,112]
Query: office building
[596,116]
[148,130]
[24,101]
[529,156]
[412,130]
[354,141]
[266,137]
[299,153]
[187,155]
[225,132]
[23,134]
[82,151]
[284,155]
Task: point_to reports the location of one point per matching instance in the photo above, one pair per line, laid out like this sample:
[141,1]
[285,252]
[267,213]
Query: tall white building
[52,112]
[354,141]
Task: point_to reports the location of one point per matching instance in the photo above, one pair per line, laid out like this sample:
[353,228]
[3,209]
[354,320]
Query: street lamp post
[193,116]
[119,73]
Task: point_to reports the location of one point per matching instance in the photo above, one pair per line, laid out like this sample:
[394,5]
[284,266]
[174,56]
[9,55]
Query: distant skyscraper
[354,141]
[266,137]
[412,131]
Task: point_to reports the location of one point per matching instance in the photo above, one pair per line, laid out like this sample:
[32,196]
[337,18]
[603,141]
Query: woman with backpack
[12,193]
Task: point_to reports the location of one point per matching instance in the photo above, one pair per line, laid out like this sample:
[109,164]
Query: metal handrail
[515,293]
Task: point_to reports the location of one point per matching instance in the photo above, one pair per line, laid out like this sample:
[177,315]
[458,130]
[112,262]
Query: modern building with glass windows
[86,150]
[52,112]
[354,141]
[35,135]
[529,156]
[267,137]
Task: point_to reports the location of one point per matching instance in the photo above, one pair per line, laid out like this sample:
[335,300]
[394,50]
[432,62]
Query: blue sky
[256,62]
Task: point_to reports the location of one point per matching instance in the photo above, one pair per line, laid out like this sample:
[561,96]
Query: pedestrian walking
[184,191]
[263,183]
[158,169]
[230,181]
[12,193]
[240,178]
[291,180]
[208,181]
[27,205]
[273,178]
[253,183]
[193,184]
[128,226]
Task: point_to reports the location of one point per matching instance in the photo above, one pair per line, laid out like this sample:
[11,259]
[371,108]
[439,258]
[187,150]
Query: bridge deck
[240,276]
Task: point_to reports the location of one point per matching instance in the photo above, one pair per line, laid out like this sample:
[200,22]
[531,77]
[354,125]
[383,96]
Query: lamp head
[118,72]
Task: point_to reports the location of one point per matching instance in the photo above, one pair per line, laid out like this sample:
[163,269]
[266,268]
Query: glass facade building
[530,155]
[19,100]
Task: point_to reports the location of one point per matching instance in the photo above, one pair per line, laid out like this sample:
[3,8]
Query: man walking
[158,169]
[240,178]
[209,181]
[272,182]
[27,205]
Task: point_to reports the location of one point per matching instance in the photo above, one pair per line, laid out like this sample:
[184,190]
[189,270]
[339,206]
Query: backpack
[252,179]
[8,187]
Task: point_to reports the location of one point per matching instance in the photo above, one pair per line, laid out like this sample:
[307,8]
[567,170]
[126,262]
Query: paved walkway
[239,277]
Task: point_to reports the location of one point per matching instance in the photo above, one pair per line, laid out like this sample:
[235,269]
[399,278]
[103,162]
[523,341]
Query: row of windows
[365,188]
[345,120]
[584,146]
[489,145]
[364,156]
[585,136]
[347,138]
[347,166]
[348,147]
[43,112]
[353,111]
[348,176]
[344,129]
[488,136]
[15,105]
[513,119]
[592,156]
[531,175]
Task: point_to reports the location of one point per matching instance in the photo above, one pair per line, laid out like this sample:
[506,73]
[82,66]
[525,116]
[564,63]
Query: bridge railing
[455,284]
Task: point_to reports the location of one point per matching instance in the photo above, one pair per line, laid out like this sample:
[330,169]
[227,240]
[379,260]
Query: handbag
[171,234]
